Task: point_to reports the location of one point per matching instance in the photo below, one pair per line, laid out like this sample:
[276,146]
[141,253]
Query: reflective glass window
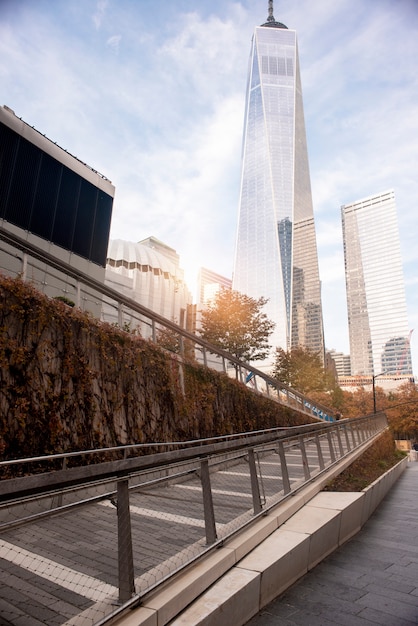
[45,199]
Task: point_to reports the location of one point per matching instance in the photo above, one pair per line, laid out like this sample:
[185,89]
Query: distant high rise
[376,303]
[342,362]
[209,285]
[276,254]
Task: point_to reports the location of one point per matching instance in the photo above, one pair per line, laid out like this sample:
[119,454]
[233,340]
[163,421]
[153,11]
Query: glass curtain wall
[276,253]
[376,302]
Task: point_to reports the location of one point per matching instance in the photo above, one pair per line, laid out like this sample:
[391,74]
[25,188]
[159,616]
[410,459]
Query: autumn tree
[402,411]
[172,341]
[236,323]
[302,369]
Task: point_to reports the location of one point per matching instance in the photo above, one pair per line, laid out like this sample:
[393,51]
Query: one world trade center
[276,252]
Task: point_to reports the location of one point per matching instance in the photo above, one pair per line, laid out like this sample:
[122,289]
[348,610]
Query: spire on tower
[270,20]
[271,16]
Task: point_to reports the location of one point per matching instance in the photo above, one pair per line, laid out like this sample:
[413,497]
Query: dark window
[23,184]
[46,195]
[9,142]
[101,229]
[66,209]
[83,231]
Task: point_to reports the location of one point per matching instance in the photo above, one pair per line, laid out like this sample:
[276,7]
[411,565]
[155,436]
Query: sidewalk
[372,579]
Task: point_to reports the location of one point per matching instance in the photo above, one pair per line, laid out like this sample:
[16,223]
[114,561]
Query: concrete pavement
[372,579]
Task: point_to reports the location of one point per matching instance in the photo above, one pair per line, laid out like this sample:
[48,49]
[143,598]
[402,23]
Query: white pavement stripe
[226,472]
[292,464]
[167,517]
[219,491]
[248,476]
[70,579]
[277,464]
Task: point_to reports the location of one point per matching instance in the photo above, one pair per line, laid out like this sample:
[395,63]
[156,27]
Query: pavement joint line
[63,576]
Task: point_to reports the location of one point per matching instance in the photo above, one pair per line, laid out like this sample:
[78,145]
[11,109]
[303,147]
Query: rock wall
[70,382]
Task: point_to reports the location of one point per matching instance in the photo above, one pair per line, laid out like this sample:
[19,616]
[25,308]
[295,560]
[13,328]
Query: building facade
[276,252]
[342,362]
[54,201]
[208,286]
[149,273]
[376,302]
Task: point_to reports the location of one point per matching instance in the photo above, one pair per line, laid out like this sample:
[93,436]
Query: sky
[151,94]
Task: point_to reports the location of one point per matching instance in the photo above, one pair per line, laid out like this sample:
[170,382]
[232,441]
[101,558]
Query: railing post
[24,266]
[353,435]
[306,470]
[340,443]
[78,295]
[319,450]
[285,471]
[347,438]
[255,489]
[125,553]
[210,525]
[331,447]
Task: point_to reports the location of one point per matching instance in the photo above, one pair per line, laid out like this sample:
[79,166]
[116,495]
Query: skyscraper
[376,303]
[276,253]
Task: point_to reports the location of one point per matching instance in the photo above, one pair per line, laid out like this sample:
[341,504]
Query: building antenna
[270,20]
[271,16]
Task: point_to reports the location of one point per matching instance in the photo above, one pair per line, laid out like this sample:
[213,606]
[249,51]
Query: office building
[276,252]
[341,361]
[208,286]
[376,303]
[54,201]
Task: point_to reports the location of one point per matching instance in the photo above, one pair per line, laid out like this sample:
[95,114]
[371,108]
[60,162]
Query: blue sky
[151,94]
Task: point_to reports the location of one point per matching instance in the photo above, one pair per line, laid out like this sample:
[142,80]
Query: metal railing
[131,524]
[90,294]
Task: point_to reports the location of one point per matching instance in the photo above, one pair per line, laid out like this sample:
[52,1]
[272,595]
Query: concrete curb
[236,581]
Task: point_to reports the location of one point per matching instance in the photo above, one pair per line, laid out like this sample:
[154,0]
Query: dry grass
[375,461]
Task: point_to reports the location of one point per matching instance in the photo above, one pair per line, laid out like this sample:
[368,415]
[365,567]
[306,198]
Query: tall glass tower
[276,254]
[376,303]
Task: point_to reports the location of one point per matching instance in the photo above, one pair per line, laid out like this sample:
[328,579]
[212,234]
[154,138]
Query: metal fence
[22,258]
[82,544]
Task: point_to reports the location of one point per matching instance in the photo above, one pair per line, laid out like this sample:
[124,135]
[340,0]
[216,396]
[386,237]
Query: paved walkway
[372,579]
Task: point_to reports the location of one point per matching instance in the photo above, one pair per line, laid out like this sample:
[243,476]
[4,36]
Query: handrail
[293,398]
[59,479]
[186,451]
[300,455]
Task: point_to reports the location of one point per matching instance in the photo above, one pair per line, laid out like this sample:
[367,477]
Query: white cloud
[99,14]
[113,42]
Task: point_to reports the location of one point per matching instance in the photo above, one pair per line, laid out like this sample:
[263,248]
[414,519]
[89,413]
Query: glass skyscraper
[276,253]
[376,303]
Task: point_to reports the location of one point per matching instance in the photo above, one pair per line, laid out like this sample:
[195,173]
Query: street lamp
[374,376]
